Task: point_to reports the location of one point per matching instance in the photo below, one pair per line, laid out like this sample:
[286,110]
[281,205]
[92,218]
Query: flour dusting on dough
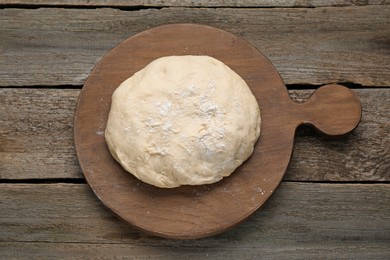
[185,120]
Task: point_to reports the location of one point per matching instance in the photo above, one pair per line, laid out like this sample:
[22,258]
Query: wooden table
[334,201]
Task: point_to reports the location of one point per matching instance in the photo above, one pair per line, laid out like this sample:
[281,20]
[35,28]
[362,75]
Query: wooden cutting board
[198,211]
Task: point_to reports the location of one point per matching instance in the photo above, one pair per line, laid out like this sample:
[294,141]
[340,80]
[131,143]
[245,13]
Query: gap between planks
[83,181]
[350,85]
[143,4]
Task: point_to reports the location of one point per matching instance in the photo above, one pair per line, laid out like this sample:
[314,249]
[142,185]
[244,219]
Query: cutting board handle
[334,110]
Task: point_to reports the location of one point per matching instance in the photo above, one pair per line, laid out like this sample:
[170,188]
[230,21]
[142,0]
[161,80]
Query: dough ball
[182,120]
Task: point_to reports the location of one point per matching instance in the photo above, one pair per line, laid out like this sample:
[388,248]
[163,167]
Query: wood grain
[299,221]
[43,250]
[199,3]
[36,134]
[36,139]
[308,45]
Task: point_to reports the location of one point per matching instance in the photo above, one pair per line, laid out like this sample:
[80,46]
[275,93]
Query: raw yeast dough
[182,120]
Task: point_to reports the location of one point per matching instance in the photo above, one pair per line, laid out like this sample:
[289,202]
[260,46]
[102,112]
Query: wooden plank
[36,134]
[36,139]
[42,250]
[199,3]
[306,45]
[299,221]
